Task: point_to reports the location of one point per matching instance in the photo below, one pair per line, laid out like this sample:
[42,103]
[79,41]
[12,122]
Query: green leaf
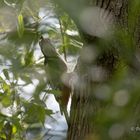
[26,78]
[20,27]
[6,101]
[14,129]
[49,112]
[6,74]
[3,137]
[54,92]
[6,88]
[29,58]
[34,113]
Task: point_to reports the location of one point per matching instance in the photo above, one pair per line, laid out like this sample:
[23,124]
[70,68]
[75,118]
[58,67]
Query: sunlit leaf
[29,57]
[6,101]
[14,129]
[20,25]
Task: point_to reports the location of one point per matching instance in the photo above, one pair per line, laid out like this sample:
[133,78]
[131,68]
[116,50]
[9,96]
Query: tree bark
[85,106]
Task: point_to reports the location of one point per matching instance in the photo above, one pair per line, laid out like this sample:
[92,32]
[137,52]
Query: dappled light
[69,70]
[121,98]
[96,21]
[116,131]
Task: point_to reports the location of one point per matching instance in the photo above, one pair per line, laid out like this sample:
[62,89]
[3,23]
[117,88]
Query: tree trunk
[85,106]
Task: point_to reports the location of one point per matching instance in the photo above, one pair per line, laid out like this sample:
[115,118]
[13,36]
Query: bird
[55,67]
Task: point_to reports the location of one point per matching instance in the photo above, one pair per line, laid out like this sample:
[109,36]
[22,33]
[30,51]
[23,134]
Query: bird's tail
[65,95]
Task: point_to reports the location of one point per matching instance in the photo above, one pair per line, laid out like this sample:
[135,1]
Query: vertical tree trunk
[85,105]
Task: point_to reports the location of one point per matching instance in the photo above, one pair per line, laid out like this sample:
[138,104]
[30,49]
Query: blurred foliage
[22,22]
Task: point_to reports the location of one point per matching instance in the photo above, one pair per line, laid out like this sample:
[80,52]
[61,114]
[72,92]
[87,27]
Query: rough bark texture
[84,105]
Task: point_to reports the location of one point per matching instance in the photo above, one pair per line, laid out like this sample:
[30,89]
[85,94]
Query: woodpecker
[55,67]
